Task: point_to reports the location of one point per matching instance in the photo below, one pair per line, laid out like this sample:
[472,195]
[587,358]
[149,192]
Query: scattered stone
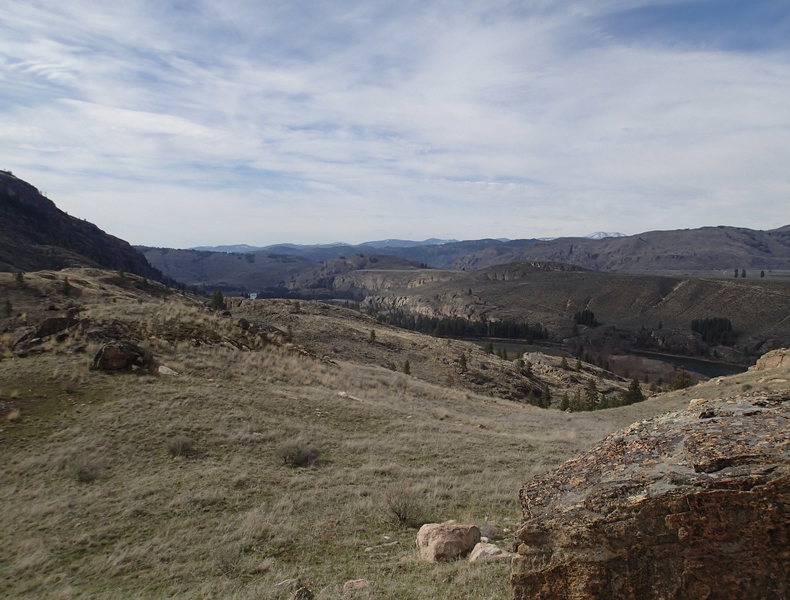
[446,541]
[122,355]
[688,505]
[302,593]
[356,585]
[380,546]
[163,370]
[485,552]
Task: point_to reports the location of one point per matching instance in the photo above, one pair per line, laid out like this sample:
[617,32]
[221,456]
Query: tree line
[458,327]
[715,330]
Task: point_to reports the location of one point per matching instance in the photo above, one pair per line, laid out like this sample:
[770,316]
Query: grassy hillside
[149,486]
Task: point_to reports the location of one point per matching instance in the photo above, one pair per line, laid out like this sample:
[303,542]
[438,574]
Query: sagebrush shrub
[298,453]
[181,445]
[405,508]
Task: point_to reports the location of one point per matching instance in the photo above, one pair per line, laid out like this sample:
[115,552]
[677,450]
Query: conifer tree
[591,395]
[217,300]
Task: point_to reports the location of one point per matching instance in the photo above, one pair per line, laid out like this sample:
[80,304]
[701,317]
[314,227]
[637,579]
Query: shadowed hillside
[35,234]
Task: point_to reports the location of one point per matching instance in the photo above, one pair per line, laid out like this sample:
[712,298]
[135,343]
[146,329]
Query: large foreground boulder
[446,541]
[690,505]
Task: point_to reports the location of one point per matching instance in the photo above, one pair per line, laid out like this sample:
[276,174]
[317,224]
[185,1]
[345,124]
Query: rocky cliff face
[690,505]
[36,235]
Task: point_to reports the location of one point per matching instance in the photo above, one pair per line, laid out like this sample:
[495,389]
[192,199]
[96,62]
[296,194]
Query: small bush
[405,508]
[298,454]
[228,559]
[87,470]
[181,445]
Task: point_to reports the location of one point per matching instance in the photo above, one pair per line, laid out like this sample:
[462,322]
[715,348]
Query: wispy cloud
[209,122]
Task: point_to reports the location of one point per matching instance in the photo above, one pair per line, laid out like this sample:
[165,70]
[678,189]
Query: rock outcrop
[689,505]
[772,360]
[446,541]
[122,355]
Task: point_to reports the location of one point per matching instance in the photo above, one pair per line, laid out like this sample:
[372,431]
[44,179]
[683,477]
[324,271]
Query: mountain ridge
[35,234]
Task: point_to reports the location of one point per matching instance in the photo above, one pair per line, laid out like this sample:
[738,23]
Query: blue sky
[206,122]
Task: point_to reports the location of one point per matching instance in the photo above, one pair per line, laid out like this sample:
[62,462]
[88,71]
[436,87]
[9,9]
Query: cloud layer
[208,122]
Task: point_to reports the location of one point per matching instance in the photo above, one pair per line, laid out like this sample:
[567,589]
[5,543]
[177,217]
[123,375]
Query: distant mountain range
[35,235]
[389,243]
[687,252]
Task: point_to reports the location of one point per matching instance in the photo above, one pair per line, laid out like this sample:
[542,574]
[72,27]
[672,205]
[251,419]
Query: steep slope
[552,293]
[35,234]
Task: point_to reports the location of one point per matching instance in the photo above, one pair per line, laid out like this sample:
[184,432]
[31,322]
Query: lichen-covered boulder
[690,505]
[446,541]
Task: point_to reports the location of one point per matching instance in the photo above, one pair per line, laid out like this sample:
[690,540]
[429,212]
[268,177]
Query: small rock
[446,541]
[163,370]
[302,593]
[484,552]
[356,585]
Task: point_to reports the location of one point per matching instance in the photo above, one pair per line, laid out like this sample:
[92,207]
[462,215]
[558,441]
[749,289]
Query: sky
[181,123]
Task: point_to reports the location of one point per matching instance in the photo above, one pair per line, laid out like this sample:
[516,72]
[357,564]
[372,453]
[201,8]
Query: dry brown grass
[231,520]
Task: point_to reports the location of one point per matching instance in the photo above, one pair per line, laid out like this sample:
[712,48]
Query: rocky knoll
[689,505]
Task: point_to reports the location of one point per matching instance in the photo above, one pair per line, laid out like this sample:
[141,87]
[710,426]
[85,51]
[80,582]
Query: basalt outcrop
[689,505]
